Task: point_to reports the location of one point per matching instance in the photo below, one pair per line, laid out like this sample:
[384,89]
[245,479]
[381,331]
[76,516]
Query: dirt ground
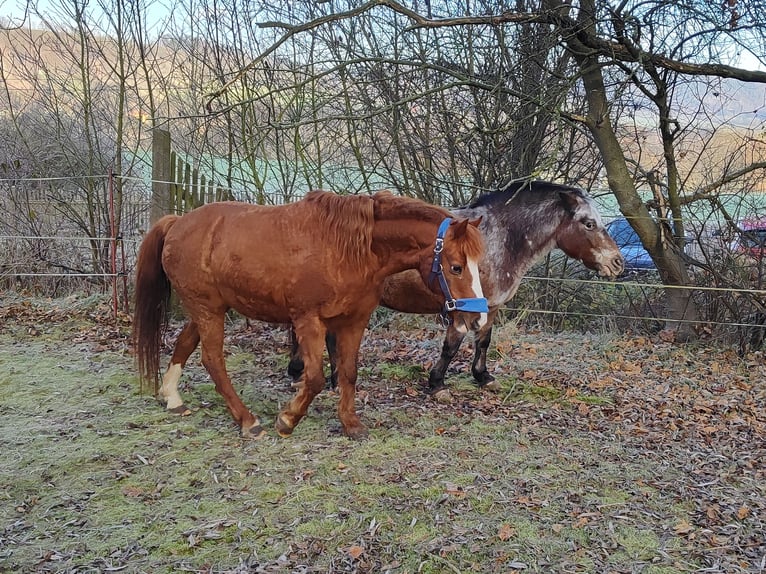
[602,453]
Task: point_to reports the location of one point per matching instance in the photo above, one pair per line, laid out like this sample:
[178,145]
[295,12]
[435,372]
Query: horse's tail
[152,301]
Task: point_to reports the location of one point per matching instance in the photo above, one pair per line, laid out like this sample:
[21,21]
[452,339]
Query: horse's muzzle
[613,268]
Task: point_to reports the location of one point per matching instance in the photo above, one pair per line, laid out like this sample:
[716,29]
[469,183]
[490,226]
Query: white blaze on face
[473,266]
[169,389]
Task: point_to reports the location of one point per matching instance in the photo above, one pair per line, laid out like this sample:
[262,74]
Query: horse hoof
[254,432]
[442,396]
[356,433]
[181,410]
[283,429]
[491,386]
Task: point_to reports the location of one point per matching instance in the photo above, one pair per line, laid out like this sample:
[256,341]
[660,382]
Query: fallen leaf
[668,335]
[580,522]
[454,490]
[506,531]
[355,551]
[682,528]
[132,491]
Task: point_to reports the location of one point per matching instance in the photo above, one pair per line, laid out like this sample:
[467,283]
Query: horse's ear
[459,226]
[569,200]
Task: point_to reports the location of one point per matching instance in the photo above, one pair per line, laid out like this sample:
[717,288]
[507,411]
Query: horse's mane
[404,207]
[521,190]
[347,221]
[387,205]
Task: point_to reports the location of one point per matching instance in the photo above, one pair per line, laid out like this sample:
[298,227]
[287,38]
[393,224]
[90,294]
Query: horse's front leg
[481,341]
[211,336]
[187,341]
[310,336]
[436,387]
[346,354]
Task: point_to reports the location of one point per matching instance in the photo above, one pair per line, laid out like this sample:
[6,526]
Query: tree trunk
[657,239]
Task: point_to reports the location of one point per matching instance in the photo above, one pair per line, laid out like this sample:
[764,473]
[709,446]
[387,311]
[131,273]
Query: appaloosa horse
[318,263]
[521,223]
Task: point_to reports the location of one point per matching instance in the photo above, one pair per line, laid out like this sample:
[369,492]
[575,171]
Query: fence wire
[135,221]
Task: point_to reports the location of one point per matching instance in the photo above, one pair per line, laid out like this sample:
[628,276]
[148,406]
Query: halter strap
[469,304]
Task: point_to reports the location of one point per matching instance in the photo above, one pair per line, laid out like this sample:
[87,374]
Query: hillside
[46,69]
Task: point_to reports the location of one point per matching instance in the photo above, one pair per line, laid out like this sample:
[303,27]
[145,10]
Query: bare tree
[610,55]
[76,100]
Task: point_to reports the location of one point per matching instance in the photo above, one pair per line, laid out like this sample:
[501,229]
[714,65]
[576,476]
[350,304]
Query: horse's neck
[400,245]
[512,246]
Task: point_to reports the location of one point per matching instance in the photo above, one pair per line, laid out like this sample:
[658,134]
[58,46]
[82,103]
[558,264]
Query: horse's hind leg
[211,336]
[295,366]
[310,335]
[436,387]
[332,351]
[187,341]
[481,342]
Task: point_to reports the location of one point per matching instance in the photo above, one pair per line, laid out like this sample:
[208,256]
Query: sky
[748,61]
[15,12]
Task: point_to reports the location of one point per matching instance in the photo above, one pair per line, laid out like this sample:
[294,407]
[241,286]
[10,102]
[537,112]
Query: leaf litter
[601,453]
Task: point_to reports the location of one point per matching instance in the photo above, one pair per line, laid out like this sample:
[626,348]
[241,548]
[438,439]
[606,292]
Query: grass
[543,477]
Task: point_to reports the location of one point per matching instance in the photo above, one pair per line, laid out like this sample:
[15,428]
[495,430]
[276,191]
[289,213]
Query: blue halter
[468,305]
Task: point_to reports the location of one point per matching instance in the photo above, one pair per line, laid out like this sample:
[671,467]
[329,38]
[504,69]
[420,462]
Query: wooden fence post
[161,175]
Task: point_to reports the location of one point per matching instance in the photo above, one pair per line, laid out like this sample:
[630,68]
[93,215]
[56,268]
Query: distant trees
[72,92]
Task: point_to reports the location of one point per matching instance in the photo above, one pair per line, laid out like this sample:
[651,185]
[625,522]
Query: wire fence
[47,244]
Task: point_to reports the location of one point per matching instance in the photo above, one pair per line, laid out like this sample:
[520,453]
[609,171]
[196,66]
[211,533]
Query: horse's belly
[261,310]
[283,302]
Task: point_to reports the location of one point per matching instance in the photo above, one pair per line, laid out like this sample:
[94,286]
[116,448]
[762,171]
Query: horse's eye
[456,269]
[590,225]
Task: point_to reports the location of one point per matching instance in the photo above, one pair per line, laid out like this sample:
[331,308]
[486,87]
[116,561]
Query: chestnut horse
[318,263]
[521,223]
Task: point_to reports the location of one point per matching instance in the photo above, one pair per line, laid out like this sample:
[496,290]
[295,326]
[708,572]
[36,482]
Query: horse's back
[264,261]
